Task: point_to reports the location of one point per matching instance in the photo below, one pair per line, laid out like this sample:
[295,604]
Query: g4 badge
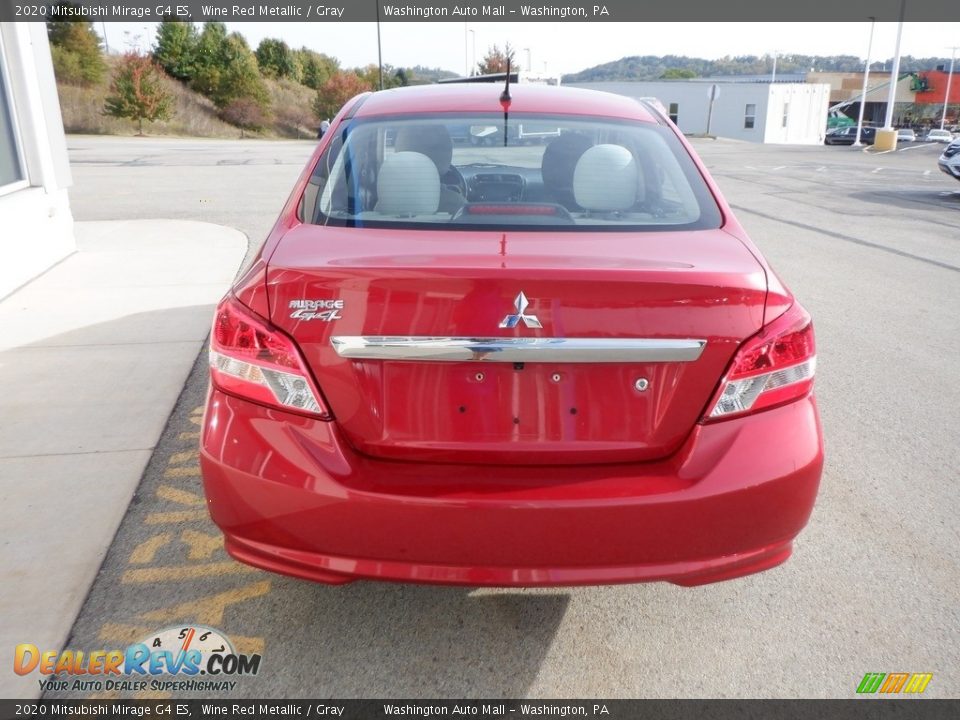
[323,310]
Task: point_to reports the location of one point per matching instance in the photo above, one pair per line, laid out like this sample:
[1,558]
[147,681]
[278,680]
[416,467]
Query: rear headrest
[606,178]
[431,140]
[408,184]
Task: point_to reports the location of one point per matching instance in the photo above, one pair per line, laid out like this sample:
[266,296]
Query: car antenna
[505,102]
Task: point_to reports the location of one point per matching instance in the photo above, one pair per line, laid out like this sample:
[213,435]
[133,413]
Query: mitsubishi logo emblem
[520,304]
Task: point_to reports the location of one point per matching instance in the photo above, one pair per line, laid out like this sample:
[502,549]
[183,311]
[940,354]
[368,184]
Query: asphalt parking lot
[869,242]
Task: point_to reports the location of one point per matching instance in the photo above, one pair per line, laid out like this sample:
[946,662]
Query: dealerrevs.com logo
[169,660]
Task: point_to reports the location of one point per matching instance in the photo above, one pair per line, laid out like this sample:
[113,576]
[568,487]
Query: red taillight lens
[251,359]
[773,367]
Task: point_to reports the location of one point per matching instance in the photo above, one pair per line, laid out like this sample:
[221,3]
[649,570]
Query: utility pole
[866,79]
[773,75]
[946,95]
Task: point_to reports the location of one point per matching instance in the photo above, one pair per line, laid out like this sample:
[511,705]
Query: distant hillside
[654,67]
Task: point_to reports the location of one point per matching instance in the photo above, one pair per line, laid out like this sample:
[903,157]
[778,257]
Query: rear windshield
[528,172]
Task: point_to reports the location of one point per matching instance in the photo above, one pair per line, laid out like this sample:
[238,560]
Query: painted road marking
[209,610]
[181,458]
[202,546]
[176,517]
[174,573]
[181,497]
[147,550]
[188,436]
[182,472]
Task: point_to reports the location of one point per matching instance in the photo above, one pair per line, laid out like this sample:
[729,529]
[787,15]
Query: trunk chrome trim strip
[513,349]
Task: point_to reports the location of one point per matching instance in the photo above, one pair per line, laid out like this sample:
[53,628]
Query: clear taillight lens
[771,368]
[253,360]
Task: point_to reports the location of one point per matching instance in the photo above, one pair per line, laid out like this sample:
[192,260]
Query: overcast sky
[569,47]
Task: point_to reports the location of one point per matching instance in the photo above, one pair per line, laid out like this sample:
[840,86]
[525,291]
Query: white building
[36,227]
[786,113]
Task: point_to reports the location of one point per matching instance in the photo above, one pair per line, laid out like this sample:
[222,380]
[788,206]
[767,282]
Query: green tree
[75,47]
[495,61]
[176,48]
[239,76]
[336,91]
[277,60]
[208,58]
[138,91]
[677,74]
[316,68]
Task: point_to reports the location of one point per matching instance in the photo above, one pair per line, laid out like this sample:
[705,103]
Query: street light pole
[773,75]
[895,71]
[866,79]
[946,95]
[473,46]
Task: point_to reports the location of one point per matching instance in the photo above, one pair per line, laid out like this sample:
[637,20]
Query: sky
[559,48]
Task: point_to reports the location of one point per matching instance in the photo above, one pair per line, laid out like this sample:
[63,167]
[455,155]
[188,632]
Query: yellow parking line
[147,550]
[180,472]
[122,635]
[188,436]
[180,458]
[202,545]
[209,610]
[175,517]
[181,497]
[184,572]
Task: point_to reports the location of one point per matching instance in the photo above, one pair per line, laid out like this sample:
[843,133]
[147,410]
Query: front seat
[434,141]
[407,185]
[606,179]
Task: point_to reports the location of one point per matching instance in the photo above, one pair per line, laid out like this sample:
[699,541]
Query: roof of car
[485,97]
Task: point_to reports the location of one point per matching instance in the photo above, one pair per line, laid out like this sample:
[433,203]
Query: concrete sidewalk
[93,356]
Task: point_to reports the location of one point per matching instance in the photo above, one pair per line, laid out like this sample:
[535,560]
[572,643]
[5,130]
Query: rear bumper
[292,497]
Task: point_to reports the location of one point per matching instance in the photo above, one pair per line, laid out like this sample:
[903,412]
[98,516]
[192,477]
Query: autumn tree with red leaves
[138,91]
[336,91]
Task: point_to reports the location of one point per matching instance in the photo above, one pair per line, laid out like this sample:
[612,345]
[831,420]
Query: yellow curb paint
[202,545]
[147,550]
[181,497]
[181,472]
[184,572]
[180,458]
[209,610]
[173,518]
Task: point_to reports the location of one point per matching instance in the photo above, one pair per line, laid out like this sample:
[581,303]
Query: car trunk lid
[492,347]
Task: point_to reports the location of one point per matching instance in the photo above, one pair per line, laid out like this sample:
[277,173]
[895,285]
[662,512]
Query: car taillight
[253,360]
[771,368]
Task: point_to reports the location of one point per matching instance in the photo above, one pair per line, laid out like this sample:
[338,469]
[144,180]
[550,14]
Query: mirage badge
[325,310]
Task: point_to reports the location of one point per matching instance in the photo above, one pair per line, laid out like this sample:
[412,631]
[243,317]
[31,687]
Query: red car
[550,362]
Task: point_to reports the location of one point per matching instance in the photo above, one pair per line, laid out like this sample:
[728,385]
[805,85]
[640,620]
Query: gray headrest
[408,184]
[606,179]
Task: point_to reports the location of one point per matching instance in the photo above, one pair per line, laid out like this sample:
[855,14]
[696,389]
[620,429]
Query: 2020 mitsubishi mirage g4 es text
[554,358]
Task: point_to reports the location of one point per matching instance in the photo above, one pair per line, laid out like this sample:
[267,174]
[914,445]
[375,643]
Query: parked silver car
[949,161]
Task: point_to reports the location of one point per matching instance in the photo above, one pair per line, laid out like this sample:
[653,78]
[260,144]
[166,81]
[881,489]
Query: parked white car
[943,136]
[949,162]
[906,135]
